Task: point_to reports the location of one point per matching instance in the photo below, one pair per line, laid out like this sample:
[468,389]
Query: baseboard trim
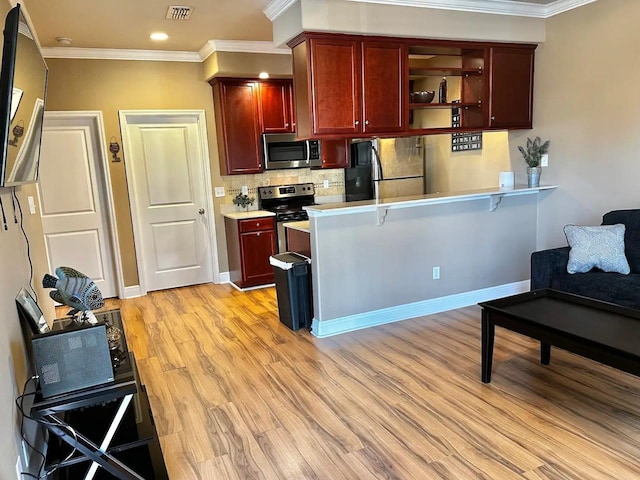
[223,277]
[359,321]
[132,291]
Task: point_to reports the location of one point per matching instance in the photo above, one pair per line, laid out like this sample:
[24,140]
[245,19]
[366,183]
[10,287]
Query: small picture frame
[30,312]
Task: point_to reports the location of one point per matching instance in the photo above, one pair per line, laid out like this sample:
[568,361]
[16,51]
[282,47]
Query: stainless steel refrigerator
[395,167]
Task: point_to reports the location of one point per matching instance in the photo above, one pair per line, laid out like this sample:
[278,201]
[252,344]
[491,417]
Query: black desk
[90,420]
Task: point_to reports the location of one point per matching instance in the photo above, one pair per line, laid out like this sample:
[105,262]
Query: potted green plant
[532,154]
[243,201]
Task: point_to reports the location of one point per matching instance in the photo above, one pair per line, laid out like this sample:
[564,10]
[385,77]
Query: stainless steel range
[286,201]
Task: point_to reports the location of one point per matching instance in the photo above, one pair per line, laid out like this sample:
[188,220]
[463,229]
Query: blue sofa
[549,268]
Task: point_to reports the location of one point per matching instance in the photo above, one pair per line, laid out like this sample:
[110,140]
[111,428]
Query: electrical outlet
[436,273]
[544,160]
[219,191]
[245,190]
[325,184]
[19,468]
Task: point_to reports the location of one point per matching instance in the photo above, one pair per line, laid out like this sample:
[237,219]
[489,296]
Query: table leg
[545,353]
[488,334]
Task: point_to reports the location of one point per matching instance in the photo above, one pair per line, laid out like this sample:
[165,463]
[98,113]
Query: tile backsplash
[233,183]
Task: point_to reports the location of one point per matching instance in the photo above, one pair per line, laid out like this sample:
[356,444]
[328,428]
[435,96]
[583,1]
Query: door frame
[94,118]
[126,119]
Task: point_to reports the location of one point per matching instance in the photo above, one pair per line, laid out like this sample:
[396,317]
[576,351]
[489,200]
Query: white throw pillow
[601,247]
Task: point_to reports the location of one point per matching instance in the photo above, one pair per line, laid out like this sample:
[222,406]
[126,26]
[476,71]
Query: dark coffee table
[601,331]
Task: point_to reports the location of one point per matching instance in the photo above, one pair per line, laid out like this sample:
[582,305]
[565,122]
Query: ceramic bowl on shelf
[422,97]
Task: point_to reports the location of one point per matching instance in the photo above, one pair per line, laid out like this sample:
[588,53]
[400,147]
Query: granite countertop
[303,225]
[249,214]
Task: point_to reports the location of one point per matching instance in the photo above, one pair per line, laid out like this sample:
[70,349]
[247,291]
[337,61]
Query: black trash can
[293,289]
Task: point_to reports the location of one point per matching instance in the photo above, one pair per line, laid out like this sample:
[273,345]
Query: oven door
[284,151]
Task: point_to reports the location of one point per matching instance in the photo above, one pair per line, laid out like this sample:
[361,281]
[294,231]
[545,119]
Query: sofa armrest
[546,264]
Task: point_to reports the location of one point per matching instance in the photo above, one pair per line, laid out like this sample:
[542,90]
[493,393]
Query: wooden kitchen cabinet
[351,85]
[346,86]
[276,107]
[511,87]
[237,126]
[250,243]
[245,109]
[335,153]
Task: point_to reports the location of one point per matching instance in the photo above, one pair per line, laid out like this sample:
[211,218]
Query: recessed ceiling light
[263,75]
[158,36]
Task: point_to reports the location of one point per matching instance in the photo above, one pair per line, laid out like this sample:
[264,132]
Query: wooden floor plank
[237,395]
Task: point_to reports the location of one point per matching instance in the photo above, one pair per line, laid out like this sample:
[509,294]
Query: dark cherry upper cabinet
[276,108]
[238,126]
[511,87]
[346,86]
[335,76]
[383,81]
[335,153]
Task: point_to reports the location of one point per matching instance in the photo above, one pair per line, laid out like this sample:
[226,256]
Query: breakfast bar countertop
[495,194]
[302,225]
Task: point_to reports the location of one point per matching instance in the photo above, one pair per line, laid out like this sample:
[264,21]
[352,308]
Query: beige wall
[586,103]
[448,171]
[247,65]
[110,86]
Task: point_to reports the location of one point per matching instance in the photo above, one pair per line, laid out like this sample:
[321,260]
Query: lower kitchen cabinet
[250,243]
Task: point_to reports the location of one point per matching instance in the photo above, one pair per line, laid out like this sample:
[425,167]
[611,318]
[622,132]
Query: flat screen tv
[23,86]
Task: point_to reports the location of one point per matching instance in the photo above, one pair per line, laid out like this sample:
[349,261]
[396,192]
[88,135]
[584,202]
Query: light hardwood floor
[236,395]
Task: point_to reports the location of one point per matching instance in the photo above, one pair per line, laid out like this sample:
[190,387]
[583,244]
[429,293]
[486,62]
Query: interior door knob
[201,211]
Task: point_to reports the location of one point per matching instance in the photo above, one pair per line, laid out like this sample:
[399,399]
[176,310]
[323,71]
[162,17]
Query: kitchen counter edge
[249,214]
[494,194]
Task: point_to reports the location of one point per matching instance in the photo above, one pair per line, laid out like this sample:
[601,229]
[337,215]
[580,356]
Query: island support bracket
[381,215]
[494,201]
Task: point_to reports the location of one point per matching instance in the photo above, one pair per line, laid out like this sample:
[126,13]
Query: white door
[74,205]
[168,175]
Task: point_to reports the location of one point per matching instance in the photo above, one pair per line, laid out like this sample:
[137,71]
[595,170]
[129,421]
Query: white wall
[378,19]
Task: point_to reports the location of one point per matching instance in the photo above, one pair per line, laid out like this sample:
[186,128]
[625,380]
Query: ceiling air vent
[179,12]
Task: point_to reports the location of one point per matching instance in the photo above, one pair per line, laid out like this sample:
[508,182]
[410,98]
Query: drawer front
[256,224]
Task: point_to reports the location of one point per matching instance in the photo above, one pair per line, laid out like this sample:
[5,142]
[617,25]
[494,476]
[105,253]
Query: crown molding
[561,6]
[242,46]
[495,7]
[275,8]
[120,54]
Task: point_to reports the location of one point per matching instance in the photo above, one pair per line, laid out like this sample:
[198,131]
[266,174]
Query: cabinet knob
[366,122]
[286,125]
[493,117]
[258,224]
[357,122]
[258,234]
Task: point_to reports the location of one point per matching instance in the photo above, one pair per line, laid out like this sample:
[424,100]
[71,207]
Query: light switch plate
[32,205]
[219,191]
[544,160]
[325,184]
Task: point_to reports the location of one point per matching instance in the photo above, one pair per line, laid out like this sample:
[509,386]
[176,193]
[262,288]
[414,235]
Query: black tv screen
[23,85]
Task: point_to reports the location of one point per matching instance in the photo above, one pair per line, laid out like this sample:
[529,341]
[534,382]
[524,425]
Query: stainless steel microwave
[284,151]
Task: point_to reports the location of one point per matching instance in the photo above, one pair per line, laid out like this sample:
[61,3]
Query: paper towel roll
[507,179]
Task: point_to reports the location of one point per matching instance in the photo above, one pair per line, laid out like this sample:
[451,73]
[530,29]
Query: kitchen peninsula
[375,262]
